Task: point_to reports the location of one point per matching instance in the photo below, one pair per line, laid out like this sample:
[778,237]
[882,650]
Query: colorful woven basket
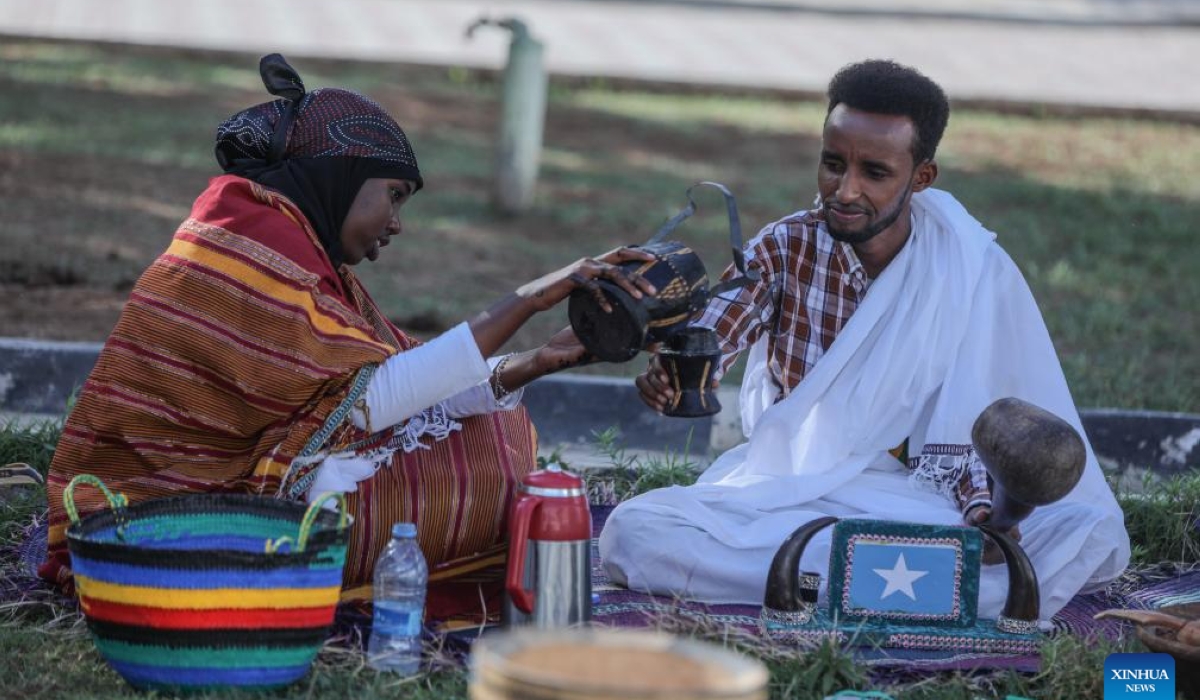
[208,591]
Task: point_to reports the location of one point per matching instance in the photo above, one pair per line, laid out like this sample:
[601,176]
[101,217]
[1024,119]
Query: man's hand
[654,385]
[980,515]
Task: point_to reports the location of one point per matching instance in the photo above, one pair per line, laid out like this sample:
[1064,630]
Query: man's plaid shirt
[809,287]
[817,283]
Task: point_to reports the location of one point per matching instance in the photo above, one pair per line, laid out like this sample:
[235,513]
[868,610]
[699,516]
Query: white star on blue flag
[916,578]
[900,579]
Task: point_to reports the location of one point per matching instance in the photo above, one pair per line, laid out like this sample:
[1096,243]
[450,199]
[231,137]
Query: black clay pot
[690,358]
[682,283]
[617,336]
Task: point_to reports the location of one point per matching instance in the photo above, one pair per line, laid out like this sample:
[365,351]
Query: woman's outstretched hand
[496,325]
[562,351]
[545,292]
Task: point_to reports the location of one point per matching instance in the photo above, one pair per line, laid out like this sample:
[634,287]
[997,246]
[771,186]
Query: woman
[249,357]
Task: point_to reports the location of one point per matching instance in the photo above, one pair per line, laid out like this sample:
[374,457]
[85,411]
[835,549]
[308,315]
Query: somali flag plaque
[904,573]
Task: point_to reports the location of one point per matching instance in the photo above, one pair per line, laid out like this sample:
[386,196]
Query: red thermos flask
[549,581]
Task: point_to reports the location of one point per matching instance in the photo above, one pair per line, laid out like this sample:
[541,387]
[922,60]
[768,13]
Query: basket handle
[314,508]
[116,501]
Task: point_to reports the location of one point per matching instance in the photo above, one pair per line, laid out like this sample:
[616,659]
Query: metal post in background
[522,118]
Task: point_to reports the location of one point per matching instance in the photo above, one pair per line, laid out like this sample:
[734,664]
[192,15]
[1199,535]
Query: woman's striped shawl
[235,347]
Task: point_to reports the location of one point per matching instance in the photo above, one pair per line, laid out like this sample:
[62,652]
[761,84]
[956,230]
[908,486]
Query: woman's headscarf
[316,148]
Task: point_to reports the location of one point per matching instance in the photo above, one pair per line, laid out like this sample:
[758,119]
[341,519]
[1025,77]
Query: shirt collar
[853,272]
[851,269]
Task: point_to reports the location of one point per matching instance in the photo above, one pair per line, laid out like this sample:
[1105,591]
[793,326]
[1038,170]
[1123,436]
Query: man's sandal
[20,474]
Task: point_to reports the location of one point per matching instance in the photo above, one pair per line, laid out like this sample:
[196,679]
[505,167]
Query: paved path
[1078,12]
[1137,54]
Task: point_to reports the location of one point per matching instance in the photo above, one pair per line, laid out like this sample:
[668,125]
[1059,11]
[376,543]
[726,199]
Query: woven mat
[1154,588]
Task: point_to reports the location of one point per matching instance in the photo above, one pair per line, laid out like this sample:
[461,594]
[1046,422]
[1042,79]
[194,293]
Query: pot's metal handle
[735,236]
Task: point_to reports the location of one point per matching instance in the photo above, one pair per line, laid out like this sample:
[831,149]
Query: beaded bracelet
[498,390]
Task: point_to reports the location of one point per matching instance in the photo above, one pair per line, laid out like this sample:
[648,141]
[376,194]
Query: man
[884,322]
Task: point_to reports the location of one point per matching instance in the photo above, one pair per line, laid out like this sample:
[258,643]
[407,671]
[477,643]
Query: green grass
[43,662]
[1164,520]
[29,442]
[45,651]
[32,443]
[1073,671]
[625,475]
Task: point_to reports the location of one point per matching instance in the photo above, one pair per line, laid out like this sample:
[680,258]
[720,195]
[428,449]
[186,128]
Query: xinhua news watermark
[1142,676]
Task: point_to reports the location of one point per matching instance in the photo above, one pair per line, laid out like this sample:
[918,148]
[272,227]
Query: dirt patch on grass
[77,233]
[81,313]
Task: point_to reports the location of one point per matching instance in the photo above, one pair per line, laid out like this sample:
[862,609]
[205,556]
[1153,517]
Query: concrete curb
[39,377]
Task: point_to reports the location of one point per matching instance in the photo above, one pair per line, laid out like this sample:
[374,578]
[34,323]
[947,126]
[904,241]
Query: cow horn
[1032,456]
[783,579]
[1023,605]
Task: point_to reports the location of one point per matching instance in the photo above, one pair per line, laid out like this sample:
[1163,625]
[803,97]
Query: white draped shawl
[947,328]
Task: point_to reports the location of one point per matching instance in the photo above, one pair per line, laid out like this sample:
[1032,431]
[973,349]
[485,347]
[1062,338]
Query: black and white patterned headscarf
[316,148]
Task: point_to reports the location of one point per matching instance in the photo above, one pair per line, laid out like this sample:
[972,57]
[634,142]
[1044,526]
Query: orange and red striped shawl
[234,354]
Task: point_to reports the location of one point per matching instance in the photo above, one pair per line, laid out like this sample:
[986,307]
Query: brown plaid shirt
[809,287]
[816,282]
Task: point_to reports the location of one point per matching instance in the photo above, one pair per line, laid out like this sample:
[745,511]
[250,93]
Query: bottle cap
[404,530]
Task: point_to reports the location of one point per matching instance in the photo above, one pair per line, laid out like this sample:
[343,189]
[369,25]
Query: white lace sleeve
[953,471]
[480,399]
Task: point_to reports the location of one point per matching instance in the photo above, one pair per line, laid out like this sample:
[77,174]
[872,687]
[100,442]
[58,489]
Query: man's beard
[873,230]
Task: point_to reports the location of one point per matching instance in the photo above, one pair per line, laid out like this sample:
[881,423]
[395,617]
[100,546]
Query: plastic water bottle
[400,579]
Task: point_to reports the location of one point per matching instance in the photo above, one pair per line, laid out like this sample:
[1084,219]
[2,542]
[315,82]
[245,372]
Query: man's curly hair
[886,87]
